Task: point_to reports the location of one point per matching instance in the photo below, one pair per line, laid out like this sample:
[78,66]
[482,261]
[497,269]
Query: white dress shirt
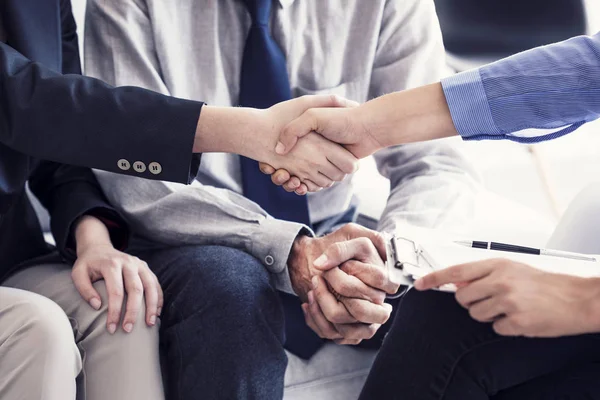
[354,48]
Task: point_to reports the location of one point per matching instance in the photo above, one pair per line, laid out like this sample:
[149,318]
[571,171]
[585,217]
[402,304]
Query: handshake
[309,143]
[306,144]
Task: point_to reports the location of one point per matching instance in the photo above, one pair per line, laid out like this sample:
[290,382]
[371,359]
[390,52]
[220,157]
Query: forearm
[235,130]
[91,231]
[202,215]
[409,116]
[550,87]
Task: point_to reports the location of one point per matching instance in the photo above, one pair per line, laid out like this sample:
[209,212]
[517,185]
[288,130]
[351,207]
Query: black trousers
[435,351]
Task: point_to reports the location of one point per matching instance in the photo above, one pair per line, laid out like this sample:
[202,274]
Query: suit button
[123,164]
[155,168]
[139,166]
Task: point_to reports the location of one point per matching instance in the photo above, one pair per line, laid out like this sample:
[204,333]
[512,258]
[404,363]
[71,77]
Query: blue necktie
[264,82]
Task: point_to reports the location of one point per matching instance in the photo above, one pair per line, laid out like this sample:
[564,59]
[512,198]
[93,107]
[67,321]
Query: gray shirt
[355,48]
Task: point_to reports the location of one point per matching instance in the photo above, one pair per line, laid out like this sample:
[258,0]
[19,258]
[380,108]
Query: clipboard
[420,251]
[408,261]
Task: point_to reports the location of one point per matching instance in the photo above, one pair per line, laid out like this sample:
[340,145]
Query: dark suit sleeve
[85,122]
[68,193]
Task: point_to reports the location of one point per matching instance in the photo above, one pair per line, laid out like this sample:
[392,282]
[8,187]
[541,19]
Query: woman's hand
[97,259]
[522,301]
[397,118]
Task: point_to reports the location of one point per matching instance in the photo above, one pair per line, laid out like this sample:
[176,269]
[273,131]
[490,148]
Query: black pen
[512,248]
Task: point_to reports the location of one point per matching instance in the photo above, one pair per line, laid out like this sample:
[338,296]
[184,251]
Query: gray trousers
[54,346]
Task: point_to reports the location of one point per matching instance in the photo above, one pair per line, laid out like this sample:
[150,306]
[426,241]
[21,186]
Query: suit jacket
[48,111]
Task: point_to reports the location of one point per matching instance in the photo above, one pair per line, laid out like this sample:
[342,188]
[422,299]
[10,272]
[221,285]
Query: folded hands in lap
[343,283]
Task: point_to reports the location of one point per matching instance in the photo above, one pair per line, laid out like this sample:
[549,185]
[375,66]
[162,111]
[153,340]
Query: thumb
[83,283]
[309,120]
[377,238]
[335,255]
[298,128]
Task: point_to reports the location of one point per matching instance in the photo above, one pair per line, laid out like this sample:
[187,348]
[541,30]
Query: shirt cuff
[272,245]
[469,106]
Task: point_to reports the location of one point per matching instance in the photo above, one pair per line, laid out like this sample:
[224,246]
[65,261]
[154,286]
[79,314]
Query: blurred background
[545,177]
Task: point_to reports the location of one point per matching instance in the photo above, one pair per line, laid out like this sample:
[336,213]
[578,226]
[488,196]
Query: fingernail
[128,327]
[311,297]
[319,262]
[159,311]
[419,284]
[315,282]
[152,319]
[112,328]
[280,148]
[95,303]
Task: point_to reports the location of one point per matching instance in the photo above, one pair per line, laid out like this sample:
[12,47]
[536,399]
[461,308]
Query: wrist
[90,231]
[418,115]
[298,266]
[232,130]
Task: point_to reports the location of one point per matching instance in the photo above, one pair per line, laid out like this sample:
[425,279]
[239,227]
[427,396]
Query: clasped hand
[343,282]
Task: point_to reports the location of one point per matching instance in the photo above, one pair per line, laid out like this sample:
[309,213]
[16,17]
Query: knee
[43,328]
[89,314]
[438,318]
[229,279]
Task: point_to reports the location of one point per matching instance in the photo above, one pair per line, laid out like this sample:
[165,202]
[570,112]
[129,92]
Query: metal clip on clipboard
[408,261]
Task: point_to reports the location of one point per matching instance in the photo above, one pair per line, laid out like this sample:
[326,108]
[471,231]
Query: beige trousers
[54,346]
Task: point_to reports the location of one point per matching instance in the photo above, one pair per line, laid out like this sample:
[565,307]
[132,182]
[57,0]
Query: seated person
[513,332]
[49,333]
[222,306]
[510,331]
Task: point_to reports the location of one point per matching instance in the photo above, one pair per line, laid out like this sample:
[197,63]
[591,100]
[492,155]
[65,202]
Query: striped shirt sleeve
[537,95]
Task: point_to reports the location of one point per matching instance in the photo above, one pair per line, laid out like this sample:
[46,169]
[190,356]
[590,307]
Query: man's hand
[97,259]
[339,317]
[254,134]
[350,297]
[522,301]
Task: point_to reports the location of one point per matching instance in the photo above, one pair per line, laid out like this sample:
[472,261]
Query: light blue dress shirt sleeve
[555,88]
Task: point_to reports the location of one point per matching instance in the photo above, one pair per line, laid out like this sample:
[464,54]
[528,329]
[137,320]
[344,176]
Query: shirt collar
[285,3]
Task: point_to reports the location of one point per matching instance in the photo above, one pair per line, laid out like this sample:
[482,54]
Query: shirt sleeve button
[269,260]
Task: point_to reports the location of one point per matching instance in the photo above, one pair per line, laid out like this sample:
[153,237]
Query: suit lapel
[33,28]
